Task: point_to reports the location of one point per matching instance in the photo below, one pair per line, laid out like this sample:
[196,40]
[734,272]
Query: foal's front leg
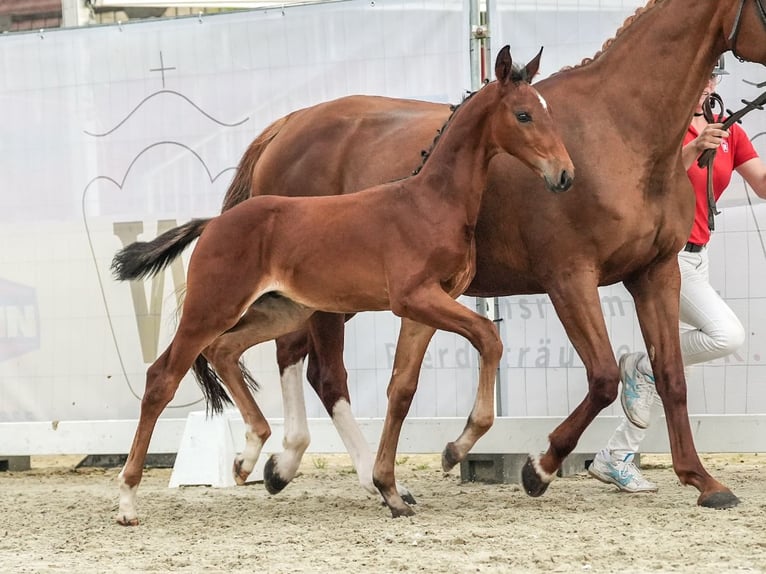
[436,308]
[410,350]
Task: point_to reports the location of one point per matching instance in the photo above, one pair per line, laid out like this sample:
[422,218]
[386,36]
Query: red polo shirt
[733,152]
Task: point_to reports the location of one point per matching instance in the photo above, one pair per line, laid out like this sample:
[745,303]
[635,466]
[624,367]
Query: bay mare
[407,246]
[623,115]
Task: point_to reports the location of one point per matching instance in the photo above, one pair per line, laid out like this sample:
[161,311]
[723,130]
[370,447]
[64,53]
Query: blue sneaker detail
[638,390]
[624,474]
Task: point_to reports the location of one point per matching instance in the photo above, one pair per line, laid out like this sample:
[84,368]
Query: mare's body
[630,216]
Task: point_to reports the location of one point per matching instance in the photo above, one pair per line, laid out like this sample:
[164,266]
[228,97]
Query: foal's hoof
[534,484]
[408,498]
[719,500]
[401,511]
[240,476]
[125,521]
[450,457]
[273,482]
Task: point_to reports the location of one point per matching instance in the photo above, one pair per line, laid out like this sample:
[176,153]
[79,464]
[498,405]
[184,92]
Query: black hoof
[533,484]
[449,457]
[271,479]
[720,500]
[408,498]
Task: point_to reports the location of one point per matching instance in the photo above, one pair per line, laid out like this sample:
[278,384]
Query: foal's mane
[605,46]
[518,74]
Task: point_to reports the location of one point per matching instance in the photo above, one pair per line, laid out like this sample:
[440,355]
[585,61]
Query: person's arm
[710,138]
[754,173]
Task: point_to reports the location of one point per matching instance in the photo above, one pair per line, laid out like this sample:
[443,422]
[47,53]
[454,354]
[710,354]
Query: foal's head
[523,126]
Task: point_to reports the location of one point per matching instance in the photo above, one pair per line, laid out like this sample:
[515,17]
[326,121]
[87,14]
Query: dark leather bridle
[737,22]
[714,100]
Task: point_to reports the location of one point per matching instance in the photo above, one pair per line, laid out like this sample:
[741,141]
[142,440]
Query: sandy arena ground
[54,518]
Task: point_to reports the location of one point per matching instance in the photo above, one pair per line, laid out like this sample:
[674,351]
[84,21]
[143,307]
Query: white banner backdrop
[113,134]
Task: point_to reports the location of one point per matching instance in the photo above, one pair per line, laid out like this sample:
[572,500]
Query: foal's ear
[503,65]
[534,65]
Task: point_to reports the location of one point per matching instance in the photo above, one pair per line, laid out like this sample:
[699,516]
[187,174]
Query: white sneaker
[638,390]
[624,474]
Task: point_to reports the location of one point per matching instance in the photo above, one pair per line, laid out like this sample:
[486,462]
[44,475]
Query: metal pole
[74,13]
[481,58]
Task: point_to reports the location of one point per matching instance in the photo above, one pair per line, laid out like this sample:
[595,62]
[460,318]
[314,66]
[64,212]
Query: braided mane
[518,74]
[605,46]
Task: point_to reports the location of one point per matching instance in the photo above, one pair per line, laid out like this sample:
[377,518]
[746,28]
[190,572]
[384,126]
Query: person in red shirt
[709,328]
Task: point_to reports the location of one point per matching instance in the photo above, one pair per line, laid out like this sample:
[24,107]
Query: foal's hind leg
[267,318]
[579,309]
[657,305]
[162,380]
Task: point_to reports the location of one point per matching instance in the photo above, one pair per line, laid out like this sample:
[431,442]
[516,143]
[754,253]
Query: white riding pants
[709,330]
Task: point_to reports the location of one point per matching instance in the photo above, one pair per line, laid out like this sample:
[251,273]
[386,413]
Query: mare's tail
[212,385]
[147,258]
[239,190]
[241,186]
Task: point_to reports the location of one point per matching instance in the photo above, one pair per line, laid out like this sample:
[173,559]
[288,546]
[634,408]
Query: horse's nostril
[566,180]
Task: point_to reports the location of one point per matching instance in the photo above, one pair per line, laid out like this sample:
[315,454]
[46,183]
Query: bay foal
[268,264]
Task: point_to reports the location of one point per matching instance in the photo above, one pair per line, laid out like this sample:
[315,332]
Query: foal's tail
[212,387]
[147,258]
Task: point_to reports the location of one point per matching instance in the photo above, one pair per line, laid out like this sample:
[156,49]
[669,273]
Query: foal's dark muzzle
[563,183]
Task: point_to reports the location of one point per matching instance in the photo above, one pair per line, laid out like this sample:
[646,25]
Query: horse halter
[738,20]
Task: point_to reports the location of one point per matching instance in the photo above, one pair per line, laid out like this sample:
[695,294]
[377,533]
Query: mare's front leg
[657,293]
[578,306]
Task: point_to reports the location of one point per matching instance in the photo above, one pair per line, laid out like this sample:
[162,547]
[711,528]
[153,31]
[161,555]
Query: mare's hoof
[125,521]
[240,476]
[534,485]
[450,457]
[719,500]
[273,482]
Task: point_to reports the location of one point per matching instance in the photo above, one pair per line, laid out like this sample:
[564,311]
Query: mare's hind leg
[438,310]
[267,318]
[656,294]
[578,306]
[323,342]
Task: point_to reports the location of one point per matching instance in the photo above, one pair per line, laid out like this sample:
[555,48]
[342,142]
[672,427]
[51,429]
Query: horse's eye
[523,117]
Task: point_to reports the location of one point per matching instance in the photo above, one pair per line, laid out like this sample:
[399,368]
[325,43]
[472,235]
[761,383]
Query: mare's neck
[456,169]
[647,83]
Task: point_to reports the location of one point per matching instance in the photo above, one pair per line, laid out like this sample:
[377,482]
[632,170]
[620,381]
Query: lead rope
[705,159]
[711,102]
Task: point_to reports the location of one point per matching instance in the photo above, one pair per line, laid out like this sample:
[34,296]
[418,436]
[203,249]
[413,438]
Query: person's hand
[710,137]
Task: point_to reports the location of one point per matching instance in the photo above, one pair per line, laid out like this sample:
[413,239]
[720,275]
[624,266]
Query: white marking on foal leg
[544,476]
[296,434]
[127,510]
[244,463]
